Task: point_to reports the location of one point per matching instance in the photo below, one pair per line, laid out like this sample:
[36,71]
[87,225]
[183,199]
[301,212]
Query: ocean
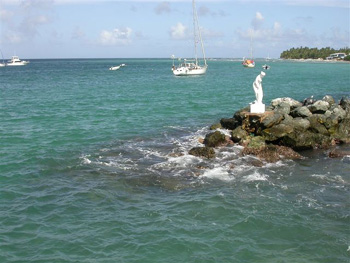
[94,167]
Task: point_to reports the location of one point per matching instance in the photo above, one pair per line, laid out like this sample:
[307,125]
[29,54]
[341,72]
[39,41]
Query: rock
[317,124]
[298,123]
[319,106]
[230,123]
[215,126]
[241,114]
[305,140]
[206,152]
[239,134]
[309,101]
[272,153]
[276,132]
[329,99]
[283,108]
[338,154]
[214,139]
[345,104]
[301,112]
[341,132]
[256,142]
[291,102]
[271,120]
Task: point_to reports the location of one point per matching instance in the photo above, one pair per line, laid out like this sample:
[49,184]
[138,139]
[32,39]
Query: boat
[266,67]
[249,63]
[114,68]
[192,67]
[15,61]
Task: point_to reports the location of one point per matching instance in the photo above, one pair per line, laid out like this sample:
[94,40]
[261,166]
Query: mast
[194,31]
[196,28]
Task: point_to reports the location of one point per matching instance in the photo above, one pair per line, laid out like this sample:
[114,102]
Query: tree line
[313,53]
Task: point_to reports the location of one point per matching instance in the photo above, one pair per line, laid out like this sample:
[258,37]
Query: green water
[88,171]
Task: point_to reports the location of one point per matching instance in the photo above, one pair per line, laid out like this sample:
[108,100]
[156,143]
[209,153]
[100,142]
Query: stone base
[257,108]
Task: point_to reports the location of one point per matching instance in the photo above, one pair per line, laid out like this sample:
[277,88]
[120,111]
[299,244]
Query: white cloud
[24,21]
[179,32]
[117,36]
[258,20]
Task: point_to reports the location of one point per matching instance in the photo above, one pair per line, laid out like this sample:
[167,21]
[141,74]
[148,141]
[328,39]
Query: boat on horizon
[249,63]
[192,67]
[15,61]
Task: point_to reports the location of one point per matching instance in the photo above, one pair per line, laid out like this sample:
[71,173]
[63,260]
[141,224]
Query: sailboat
[192,67]
[249,63]
[3,64]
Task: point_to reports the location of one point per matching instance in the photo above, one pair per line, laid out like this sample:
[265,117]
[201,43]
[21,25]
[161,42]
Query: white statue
[258,106]
[257,86]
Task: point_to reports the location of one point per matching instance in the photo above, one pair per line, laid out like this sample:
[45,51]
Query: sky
[160,29]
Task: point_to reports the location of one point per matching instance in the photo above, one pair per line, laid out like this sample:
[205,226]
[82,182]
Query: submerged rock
[272,153]
[206,152]
[338,154]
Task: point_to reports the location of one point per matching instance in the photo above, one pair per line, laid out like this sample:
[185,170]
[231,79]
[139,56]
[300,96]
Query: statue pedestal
[257,108]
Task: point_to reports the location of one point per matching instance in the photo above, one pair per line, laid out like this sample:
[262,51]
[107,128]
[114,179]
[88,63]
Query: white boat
[15,61]
[2,65]
[192,67]
[114,68]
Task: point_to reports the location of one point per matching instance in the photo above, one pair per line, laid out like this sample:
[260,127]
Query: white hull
[114,68]
[22,63]
[185,71]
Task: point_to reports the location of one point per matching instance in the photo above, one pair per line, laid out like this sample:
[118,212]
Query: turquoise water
[94,167]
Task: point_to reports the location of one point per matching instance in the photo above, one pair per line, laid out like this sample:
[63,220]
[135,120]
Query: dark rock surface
[287,126]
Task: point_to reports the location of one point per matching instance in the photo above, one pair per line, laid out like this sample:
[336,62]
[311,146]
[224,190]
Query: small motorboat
[114,68]
[266,67]
[15,61]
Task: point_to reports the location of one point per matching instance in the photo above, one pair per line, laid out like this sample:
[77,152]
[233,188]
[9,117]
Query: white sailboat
[192,67]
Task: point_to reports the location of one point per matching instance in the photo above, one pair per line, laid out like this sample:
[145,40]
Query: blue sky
[158,29]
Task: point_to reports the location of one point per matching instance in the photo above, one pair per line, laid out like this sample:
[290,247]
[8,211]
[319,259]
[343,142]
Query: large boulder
[301,112]
[276,132]
[299,124]
[214,139]
[283,108]
[291,102]
[345,104]
[271,119]
[341,132]
[319,106]
[206,152]
[239,134]
[298,140]
[317,124]
[229,123]
[329,99]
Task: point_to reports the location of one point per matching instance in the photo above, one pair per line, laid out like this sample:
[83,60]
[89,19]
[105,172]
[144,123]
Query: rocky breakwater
[286,128]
